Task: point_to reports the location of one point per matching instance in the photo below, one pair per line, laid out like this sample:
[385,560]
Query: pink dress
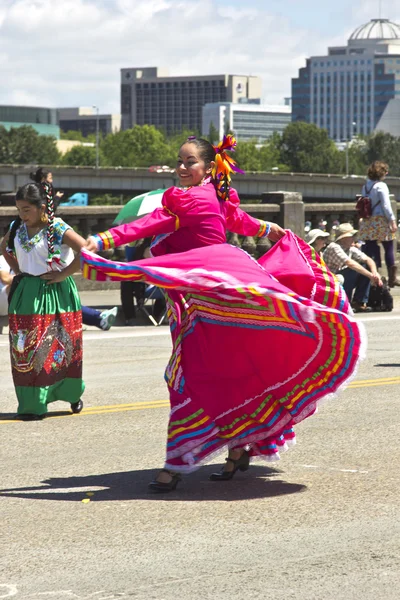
[256,345]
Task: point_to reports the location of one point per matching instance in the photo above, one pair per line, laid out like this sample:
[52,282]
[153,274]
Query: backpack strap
[367,193]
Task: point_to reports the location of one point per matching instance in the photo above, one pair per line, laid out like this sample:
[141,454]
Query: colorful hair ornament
[224,166]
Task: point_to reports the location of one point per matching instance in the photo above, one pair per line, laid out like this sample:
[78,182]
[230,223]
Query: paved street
[77,521]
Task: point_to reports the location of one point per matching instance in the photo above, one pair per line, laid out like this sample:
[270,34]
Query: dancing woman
[44,312]
[252,356]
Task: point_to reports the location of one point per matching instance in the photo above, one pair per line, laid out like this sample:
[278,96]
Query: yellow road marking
[374,382]
[114,408]
[138,404]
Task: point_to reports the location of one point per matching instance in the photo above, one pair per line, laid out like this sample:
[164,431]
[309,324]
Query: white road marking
[7,590]
[380,318]
[52,490]
[333,469]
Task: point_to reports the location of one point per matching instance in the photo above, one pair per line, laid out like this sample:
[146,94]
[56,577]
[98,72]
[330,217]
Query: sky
[60,53]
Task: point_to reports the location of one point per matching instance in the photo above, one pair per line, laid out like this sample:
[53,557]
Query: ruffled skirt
[256,345]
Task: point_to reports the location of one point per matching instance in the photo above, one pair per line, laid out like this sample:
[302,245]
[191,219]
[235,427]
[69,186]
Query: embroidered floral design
[27,244]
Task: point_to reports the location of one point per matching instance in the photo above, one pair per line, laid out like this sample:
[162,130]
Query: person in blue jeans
[102,319]
[358,270]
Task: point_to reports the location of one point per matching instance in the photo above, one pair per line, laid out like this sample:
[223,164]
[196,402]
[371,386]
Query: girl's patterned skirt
[45,343]
[256,345]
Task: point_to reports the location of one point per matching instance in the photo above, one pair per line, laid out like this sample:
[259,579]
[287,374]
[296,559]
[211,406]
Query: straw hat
[345,230]
[314,234]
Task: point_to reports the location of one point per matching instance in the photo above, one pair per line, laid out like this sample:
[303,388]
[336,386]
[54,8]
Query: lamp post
[97,136]
[353,125]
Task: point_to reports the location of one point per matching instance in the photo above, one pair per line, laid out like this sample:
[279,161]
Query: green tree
[78,136]
[82,156]
[270,157]
[247,156]
[72,135]
[385,147]
[305,148]
[3,145]
[251,156]
[356,157]
[24,145]
[141,146]
[213,135]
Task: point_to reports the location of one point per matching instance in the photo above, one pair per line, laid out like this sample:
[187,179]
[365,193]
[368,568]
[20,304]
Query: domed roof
[381,29]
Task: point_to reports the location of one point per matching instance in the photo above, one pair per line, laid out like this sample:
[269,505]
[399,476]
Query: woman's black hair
[208,153]
[39,175]
[207,150]
[37,195]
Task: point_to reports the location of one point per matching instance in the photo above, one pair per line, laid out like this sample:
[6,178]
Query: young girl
[44,312]
[45,178]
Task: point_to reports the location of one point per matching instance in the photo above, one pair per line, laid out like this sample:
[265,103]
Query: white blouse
[32,253]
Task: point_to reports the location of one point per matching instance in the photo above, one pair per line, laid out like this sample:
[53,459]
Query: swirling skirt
[256,345]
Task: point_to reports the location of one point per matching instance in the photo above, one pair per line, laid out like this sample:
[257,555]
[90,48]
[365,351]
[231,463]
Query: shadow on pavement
[132,485]
[14,417]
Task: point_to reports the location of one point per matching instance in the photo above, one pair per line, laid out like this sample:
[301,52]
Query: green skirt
[45,343]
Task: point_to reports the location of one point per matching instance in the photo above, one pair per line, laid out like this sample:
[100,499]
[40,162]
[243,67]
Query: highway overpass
[136,180]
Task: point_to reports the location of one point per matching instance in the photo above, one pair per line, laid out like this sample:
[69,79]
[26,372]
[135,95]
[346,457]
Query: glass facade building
[150,96]
[347,91]
[43,120]
[86,120]
[247,121]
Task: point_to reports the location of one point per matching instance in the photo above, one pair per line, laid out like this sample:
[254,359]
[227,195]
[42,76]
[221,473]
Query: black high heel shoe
[77,407]
[159,487]
[240,464]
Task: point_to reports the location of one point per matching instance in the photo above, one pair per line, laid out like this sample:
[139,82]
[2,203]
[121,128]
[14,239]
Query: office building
[247,121]
[43,120]
[349,90]
[84,119]
[151,96]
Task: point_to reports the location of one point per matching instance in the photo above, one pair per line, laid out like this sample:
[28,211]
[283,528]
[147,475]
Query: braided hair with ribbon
[54,256]
[44,178]
[224,164]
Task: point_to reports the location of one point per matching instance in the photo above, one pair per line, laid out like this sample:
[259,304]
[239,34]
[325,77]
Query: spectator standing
[381,227]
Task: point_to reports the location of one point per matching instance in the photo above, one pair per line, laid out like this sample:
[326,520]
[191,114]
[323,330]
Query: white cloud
[69,52]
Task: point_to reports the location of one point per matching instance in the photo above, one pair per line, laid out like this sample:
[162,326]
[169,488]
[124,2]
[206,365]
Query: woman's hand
[393,226]
[54,276]
[59,194]
[275,233]
[91,245]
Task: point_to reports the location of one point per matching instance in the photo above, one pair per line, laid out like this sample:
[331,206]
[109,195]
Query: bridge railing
[285,208]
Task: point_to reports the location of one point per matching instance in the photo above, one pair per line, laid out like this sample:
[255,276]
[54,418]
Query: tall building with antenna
[354,89]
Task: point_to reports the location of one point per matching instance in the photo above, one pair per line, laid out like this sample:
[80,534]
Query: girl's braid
[48,193]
